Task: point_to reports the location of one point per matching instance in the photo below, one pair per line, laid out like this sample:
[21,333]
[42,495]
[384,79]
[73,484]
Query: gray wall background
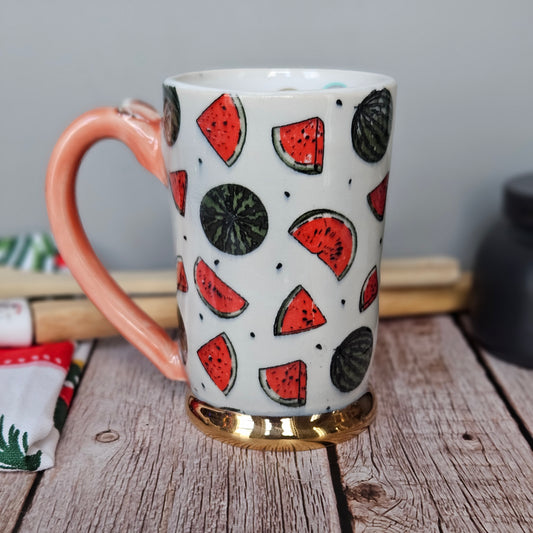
[464,118]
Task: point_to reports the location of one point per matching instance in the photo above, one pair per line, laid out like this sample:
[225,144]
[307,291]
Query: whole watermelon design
[301,145]
[351,359]
[218,358]
[369,290]
[171,115]
[178,186]
[183,286]
[223,124]
[219,297]
[285,384]
[233,218]
[298,313]
[372,126]
[329,235]
[377,197]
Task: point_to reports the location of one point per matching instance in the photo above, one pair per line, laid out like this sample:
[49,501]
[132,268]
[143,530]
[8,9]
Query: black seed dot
[203,386]
[278,266]
[328,408]
[287,194]
[381,240]
[200,160]
[252,334]
[343,301]
[319,346]
[201,316]
[217,261]
[350,181]
[339,102]
[185,237]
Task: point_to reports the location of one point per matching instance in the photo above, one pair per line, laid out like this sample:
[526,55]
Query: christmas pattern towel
[36,388]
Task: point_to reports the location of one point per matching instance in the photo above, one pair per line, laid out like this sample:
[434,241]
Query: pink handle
[138,126]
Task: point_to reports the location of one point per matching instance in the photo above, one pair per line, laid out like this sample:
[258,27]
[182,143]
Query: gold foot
[282,433]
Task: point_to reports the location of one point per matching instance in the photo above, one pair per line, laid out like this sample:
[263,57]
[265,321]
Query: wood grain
[129,460]
[14,489]
[444,454]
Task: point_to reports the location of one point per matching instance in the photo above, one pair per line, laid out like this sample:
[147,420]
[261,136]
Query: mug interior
[279,80]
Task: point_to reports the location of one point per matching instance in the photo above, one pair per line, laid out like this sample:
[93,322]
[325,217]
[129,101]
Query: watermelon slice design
[369,290]
[218,296]
[171,115]
[183,286]
[301,145]
[178,186]
[377,197]
[298,313]
[285,384]
[223,124]
[219,360]
[329,235]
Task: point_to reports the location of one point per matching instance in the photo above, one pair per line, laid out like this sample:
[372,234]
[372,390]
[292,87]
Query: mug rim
[193,80]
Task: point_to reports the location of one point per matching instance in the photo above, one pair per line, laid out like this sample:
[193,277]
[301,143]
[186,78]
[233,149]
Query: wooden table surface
[450,450]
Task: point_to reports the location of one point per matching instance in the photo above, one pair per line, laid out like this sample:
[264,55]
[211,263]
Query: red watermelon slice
[377,198]
[218,358]
[285,384]
[178,186]
[218,296]
[369,290]
[183,286]
[224,125]
[329,235]
[301,145]
[298,313]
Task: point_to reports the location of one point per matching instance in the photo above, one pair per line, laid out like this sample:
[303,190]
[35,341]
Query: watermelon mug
[278,181]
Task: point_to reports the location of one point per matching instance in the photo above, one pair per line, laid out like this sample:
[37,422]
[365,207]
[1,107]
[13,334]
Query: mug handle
[138,125]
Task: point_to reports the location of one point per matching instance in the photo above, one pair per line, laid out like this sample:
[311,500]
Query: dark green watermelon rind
[233,358]
[221,314]
[229,238]
[351,360]
[278,323]
[372,126]
[293,402]
[306,168]
[242,132]
[362,305]
[325,213]
[171,104]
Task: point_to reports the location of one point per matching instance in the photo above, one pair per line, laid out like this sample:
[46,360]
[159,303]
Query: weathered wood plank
[444,454]
[14,489]
[129,460]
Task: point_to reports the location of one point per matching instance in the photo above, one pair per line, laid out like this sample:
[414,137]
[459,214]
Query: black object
[502,290]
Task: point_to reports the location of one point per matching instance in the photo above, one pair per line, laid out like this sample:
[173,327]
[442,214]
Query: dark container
[502,291]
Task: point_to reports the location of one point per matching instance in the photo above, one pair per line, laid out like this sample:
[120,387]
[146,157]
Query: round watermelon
[219,297]
[223,124]
[329,235]
[372,126]
[233,218]
[301,145]
[369,291]
[218,358]
[285,384]
[178,186]
[298,313]
[351,359]
[377,197]
[171,115]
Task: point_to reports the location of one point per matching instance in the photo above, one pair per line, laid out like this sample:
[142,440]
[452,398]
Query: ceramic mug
[278,180]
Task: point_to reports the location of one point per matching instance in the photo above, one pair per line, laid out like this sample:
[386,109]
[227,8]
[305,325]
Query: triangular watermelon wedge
[298,313]
[183,286]
[329,235]
[377,198]
[178,186]
[218,358]
[285,384]
[223,124]
[369,291]
[301,145]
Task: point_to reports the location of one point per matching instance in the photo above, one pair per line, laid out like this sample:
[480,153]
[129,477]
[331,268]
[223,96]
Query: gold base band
[282,433]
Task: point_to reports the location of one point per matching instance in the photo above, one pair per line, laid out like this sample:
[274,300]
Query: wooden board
[130,460]
[444,454]
[14,489]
